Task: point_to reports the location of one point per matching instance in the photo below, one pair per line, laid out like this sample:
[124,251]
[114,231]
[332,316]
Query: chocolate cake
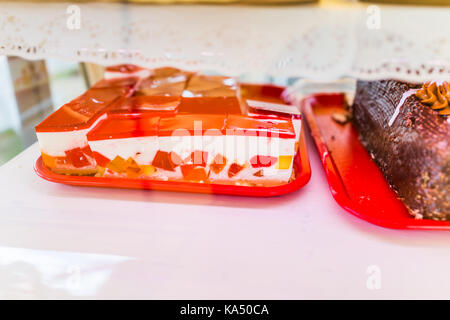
[405,128]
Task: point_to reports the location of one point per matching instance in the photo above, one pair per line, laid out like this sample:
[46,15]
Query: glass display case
[280,63]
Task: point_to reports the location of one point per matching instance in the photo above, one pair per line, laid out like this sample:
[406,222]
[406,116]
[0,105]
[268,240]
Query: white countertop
[59,241]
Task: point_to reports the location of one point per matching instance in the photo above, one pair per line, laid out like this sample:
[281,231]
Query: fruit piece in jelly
[78,156]
[49,161]
[191,172]
[234,169]
[132,168]
[263,161]
[100,159]
[259,173]
[118,164]
[100,172]
[167,161]
[284,162]
[198,158]
[148,169]
[218,163]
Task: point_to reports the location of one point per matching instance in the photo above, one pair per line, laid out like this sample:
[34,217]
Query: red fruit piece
[87,150]
[263,161]
[77,157]
[165,160]
[234,170]
[218,163]
[259,173]
[199,158]
[101,159]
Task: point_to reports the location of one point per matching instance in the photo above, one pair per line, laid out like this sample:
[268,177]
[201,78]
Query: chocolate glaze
[413,153]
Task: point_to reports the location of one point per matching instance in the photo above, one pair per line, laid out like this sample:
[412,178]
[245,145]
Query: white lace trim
[407,43]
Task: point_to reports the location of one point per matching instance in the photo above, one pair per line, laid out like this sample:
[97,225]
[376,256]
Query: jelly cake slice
[168,124]
[63,135]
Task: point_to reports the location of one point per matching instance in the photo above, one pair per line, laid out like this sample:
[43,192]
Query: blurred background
[31,89]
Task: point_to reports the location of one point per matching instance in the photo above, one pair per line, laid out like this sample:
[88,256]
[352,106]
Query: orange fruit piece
[190,172]
[284,162]
[118,164]
[218,163]
[167,161]
[49,161]
[148,170]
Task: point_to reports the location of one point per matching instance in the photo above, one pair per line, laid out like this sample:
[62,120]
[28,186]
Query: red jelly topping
[210,95]
[164,82]
[145,104]
[167,72]
[81,112]
[210,105]
[167,161]
[124,68]
[266,93]
[129,82]
[211,86]
[119,126]
[192,124]
[172,89]
[260,126]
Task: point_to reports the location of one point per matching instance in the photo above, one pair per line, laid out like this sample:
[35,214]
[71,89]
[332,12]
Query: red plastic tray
[356,182]
[301,165]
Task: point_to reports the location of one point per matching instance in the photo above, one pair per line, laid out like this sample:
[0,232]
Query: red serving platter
[301,167]
[356,182]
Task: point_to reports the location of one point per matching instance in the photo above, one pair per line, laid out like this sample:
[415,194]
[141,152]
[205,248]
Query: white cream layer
[236,149]
[141,149]
[57,143]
